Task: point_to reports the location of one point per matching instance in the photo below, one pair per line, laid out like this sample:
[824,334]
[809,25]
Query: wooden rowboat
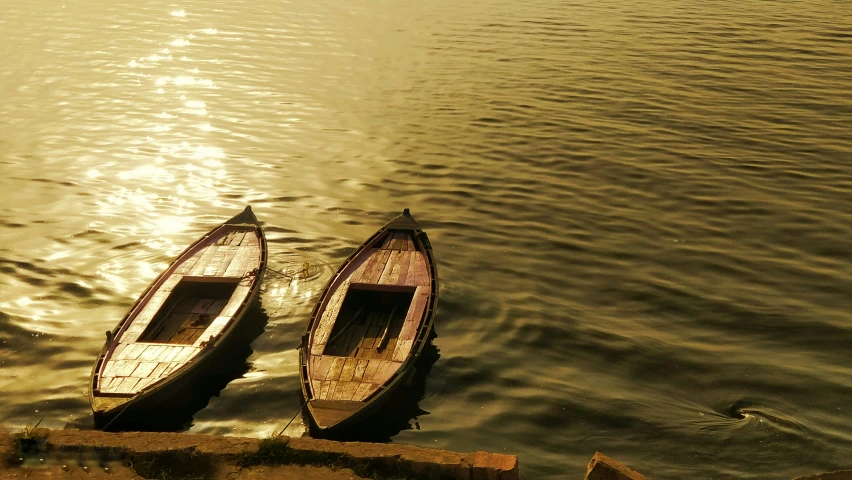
[369,326]
[187,314]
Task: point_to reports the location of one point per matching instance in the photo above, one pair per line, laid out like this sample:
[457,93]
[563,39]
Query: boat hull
[368,328]
[171,405]
[172,338]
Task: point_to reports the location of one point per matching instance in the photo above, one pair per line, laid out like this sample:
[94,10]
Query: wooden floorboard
[205,258]
[237,238]
[363,390]
[360,367]
[370,371]
[348,370]
[335,369]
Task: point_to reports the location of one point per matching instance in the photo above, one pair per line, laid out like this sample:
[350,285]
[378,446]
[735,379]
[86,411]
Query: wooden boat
[188,313]
[369,326]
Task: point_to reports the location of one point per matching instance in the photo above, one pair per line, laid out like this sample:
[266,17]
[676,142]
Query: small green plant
[28,441]
[29,432]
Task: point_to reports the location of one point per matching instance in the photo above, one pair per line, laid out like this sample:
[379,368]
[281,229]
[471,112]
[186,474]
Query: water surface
[640,210]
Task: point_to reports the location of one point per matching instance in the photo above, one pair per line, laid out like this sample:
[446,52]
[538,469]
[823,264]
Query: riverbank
[95,455]
[43,453]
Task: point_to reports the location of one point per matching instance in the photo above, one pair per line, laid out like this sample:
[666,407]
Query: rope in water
[103,429]
[291,420]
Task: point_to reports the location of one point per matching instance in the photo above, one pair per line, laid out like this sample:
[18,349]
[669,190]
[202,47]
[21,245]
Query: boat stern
[331,415]
[107,407]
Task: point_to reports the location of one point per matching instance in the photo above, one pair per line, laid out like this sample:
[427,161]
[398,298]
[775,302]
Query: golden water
[641,210]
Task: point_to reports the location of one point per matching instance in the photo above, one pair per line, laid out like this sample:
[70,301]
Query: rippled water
[641,211]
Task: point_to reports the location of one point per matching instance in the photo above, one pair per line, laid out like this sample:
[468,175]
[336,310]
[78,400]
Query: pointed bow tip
[406,212]
[246,216]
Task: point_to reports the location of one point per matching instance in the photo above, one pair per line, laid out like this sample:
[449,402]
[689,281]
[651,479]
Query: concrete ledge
[209,451]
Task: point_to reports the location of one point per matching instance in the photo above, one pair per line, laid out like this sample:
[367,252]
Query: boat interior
[189,310]
[370,321]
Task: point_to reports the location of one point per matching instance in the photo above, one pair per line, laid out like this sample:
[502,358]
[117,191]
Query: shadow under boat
[174,409]
[400,411]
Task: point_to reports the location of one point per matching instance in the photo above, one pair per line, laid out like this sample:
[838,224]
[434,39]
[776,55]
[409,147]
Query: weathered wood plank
[387,352]
[216,307]
[363,390]
[401,240]
[173,367]
[329,315]
[158,370]
[420,270]
[132,351]
[152,353]
[228,256]
[142,383]
[186,265]
[216,262]
[376,265]
[110,367]
[391,270]
[370,371]
[124,368]
[360,368]
[104,383]
[348,370]
[250,239]
[323,392]
[126,385]
[357,335]
[366,353]
[171,352]
[116,352]
[331,389]
[201,305]
[171,325]
[185,305]
[346,392]
[237,239]
[365,267]
[205,259]
[237,298]
[371,337]
[186,354]
[411,275]
[224,239]
[388,240]
[404,262]
[403,347]
[387,371]
[323,365]
[239,265]
[144,369]
[336,368]
[415,313]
